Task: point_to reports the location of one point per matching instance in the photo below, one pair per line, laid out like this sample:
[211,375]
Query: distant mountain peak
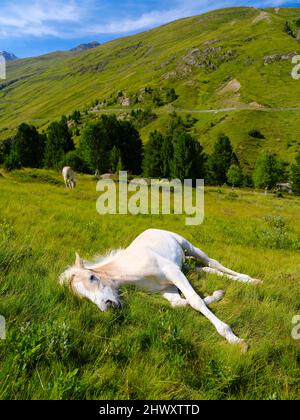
[8,56]
[85,47]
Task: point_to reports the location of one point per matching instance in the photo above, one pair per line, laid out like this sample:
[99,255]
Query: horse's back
[66,171]
[160,242]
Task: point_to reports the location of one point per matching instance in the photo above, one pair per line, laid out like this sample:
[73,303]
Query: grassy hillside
[60,347]
[238,57]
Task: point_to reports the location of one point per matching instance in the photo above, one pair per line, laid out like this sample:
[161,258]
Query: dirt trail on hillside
[232,87]
[262,16]
[253,106]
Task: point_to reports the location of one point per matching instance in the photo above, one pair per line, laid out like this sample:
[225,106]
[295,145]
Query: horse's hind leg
[214,266]
[66,179]
[217,273]
[217,268]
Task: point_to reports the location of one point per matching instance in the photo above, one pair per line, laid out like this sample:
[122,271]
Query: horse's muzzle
[110,303]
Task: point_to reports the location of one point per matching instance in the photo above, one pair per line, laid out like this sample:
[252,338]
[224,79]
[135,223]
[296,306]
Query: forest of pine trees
[109,144]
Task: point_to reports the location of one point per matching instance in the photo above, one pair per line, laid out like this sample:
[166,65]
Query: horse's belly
[153,285]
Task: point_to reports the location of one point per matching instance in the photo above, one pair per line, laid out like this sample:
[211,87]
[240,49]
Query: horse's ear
[79,261]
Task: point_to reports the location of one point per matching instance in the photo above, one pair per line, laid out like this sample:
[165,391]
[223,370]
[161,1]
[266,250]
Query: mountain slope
[8,56]
[228,58]
[85,47]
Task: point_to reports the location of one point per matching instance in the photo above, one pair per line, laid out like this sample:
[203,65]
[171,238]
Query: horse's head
[88,284]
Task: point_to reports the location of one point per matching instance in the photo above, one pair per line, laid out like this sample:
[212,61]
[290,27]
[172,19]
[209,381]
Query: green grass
[60,347]
[58,83]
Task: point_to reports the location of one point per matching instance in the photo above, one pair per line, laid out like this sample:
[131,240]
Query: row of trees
[31,149]
[104,145]
[176,154]
[109,144]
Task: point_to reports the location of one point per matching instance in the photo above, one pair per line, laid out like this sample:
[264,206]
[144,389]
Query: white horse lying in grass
[153,261]
[69,177]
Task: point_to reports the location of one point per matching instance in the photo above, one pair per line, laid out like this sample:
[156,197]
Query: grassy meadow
[60,347]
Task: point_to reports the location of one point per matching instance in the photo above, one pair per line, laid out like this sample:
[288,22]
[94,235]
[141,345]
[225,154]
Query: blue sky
[34,27]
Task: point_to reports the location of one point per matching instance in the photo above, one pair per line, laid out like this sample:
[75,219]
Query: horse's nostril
[111,303]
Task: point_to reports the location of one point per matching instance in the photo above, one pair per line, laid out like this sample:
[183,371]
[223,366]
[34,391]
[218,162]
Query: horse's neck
[113,273]
[110,273]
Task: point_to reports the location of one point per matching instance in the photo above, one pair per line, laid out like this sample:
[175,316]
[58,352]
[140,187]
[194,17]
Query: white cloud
[75,19]
[180,9]
[146,20]
[38,18]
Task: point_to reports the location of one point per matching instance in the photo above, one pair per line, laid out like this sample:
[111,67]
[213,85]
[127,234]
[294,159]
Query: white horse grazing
[153,261]
[69,177]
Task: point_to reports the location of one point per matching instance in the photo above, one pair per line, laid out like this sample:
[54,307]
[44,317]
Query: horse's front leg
[174,275]
[173,296]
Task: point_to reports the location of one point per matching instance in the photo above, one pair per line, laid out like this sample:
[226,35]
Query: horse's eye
[93,279]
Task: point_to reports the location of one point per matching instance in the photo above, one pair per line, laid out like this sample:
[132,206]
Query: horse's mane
[98,261]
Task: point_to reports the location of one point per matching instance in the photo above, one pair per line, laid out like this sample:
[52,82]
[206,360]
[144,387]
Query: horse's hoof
[218,294]
[257,281]
[243,346]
